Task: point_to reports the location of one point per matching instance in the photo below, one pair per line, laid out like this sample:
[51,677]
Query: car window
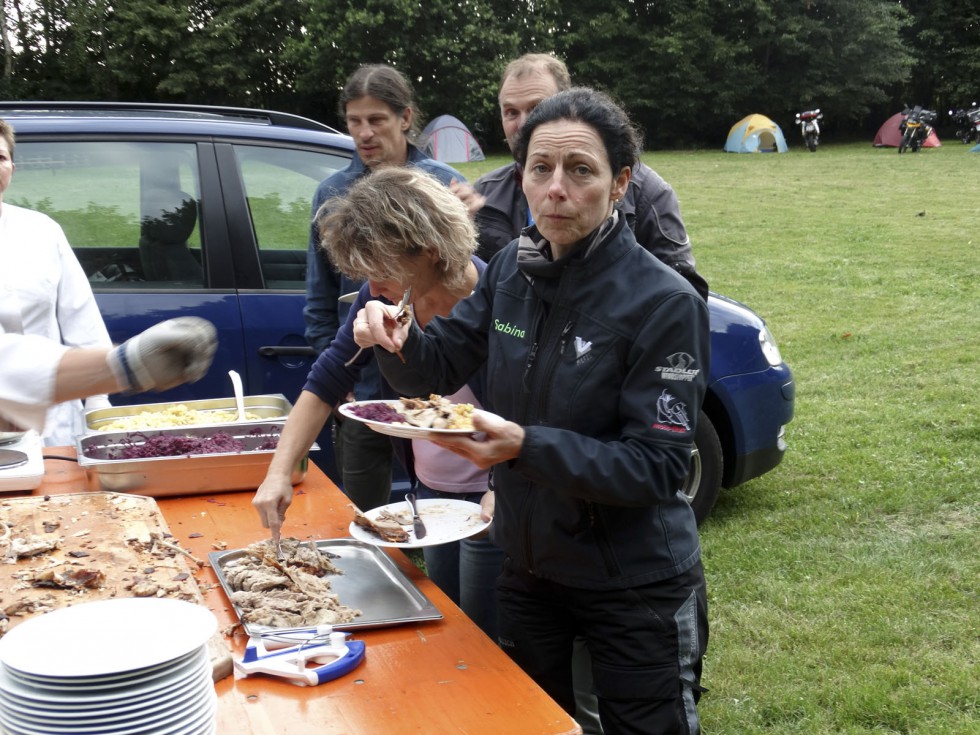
[128,209]
[279,184]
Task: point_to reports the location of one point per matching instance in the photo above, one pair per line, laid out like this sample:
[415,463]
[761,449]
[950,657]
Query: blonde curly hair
[390,215]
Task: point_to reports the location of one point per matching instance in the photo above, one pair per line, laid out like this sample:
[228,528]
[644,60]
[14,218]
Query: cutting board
[106,545]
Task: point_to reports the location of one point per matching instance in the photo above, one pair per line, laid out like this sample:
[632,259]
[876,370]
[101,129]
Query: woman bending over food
[418,235]
[577,326]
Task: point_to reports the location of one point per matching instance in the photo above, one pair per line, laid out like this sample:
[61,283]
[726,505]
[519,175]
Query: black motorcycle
[810,128]
[916,126]
[967,123]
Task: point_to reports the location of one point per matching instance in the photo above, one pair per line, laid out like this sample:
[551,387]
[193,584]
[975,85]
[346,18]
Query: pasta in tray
[176,415]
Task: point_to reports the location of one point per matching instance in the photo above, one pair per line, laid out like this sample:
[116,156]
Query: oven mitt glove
[165,355]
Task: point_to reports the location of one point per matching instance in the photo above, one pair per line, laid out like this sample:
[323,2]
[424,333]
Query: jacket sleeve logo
[671,414]
[679,367]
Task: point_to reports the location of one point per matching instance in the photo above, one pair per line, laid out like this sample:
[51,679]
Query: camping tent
[447,139]
[890,134]
[975,149]
[755,134]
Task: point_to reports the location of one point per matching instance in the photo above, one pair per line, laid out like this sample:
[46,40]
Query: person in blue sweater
[430,246]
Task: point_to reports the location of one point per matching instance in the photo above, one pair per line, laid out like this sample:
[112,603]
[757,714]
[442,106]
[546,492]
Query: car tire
[707,463]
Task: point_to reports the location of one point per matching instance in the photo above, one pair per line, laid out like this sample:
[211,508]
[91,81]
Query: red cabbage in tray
[168,445]
[380,412]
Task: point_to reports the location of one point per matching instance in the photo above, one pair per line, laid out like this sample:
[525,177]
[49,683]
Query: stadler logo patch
[679,368]
[581,347]
[671,414]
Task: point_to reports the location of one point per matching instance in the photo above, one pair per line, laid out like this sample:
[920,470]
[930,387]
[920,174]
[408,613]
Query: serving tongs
[401,317]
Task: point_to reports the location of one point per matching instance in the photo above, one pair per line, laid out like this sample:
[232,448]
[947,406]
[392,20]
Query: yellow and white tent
[755,134]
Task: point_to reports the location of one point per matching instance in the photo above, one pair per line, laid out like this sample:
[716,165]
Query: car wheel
[704,480]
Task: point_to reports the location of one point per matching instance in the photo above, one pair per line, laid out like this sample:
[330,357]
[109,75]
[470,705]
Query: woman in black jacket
[597,359]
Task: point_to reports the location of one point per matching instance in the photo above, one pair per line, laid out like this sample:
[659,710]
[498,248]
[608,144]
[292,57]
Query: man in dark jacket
[650,205]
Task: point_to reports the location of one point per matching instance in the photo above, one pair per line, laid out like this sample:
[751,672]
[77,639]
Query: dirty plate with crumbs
[445,520]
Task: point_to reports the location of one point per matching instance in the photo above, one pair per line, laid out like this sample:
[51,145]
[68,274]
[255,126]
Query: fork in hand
[402,317]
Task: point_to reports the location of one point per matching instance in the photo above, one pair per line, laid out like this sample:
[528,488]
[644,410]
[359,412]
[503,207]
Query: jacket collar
[535,257]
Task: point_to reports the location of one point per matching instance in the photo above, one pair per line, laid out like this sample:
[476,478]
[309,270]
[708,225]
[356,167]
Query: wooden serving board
[119,543]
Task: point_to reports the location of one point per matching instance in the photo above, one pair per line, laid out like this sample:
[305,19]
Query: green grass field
[843,585]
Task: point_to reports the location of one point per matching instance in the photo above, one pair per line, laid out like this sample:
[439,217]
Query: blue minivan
[183,209]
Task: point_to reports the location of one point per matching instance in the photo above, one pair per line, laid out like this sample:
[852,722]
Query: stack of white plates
[121,666]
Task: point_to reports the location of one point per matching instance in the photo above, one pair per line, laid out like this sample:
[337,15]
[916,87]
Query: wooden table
[436,677]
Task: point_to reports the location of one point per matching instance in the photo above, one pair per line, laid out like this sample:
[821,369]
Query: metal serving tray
[371,583]
[188,474]
[266,407]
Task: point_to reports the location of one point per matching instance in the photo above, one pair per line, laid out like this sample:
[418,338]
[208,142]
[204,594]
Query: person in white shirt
[37,373]
[44,292]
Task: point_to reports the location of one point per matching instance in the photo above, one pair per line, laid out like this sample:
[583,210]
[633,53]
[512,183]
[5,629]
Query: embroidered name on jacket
[678,368]
[671,414]
[508,328]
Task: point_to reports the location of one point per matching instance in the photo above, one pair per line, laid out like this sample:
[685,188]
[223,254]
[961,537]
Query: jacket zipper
[563,339]
[526,385]
[528,377]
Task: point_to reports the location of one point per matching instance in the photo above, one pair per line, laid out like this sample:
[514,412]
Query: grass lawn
[843,585]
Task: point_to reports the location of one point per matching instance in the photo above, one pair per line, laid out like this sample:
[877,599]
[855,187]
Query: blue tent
[755,134]
[975,149]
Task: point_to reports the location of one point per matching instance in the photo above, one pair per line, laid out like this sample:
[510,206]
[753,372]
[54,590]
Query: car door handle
[288,350]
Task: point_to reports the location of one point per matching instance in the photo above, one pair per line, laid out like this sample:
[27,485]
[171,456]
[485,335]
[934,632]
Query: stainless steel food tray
[188,474]
[371,582]
[266,407]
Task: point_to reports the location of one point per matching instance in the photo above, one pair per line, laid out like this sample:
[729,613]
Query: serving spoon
[236,382]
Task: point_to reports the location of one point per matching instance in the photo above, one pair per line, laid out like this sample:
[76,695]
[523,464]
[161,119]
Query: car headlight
[769,348]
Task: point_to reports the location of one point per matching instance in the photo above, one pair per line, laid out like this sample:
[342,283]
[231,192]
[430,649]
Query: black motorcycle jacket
[650,206]
[606,379]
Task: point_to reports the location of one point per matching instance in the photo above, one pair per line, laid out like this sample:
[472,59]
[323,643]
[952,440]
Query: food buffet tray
[371,582]
[266,407]
[192,474]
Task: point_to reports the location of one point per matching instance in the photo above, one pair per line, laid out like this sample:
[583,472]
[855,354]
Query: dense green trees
[687,69]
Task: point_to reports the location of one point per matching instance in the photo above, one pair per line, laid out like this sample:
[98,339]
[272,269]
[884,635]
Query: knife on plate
[417,523]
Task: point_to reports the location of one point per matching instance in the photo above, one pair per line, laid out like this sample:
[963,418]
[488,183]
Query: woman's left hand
[502,442]
[487,506]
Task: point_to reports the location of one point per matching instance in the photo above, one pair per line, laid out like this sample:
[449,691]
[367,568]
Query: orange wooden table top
[433,677]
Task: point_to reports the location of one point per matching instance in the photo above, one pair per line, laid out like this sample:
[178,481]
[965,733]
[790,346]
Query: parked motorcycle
[810,127]
[916,126]
[967,123]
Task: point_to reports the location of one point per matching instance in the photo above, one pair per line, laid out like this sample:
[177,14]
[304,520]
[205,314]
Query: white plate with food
[445,520]
[414,418]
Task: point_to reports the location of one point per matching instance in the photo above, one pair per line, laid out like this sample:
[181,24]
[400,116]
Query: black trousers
[364,459]
[646,644]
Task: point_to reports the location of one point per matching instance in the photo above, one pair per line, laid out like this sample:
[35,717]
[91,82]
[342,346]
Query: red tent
[889,134]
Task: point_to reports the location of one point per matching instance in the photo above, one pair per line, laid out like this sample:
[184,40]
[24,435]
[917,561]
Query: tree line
[686,69]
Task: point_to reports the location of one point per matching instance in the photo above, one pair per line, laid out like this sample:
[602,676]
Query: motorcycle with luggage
[967,123]
[810,127]
[916,126]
